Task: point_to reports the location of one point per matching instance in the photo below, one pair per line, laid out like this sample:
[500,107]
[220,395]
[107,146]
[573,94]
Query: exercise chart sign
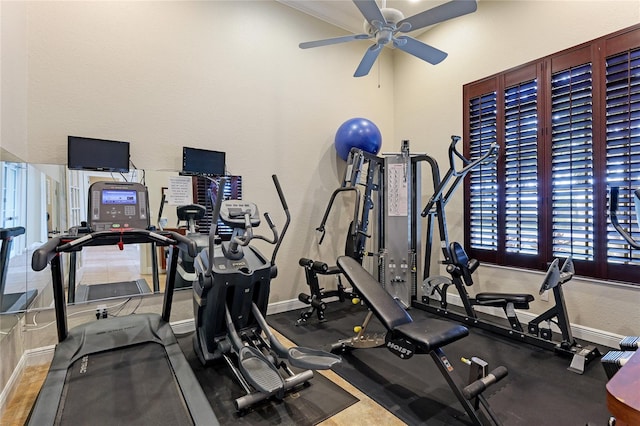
[397,199]
[180,191]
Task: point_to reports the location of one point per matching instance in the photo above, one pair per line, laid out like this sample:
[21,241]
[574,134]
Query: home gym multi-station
[393,311]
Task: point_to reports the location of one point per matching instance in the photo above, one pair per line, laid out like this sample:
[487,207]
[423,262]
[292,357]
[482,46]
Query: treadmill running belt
[105,291]
[130,386]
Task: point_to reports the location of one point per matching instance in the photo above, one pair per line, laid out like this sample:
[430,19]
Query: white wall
[13,79]
[222,75]
[428,109]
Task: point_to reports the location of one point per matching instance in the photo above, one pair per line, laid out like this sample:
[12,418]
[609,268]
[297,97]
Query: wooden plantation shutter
[572,163]
[521,168]
[483,181]
[623,147]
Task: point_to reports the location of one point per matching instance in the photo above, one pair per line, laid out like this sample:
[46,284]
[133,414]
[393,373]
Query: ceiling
[344,14]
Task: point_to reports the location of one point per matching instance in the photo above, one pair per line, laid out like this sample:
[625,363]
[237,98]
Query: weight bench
[406,337]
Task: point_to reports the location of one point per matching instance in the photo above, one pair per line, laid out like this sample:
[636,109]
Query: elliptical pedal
[259,372]
[311,359]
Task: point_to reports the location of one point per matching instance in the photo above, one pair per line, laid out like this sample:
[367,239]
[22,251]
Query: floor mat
[310,405]
[538,390]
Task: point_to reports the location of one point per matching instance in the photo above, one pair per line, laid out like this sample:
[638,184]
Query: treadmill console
[118,205]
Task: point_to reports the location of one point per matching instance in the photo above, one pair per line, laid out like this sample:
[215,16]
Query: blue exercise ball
[357,133]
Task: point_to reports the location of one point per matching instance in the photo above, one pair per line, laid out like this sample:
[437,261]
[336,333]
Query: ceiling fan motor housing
[392,16]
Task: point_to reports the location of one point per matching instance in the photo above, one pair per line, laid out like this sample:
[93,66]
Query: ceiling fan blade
[367,61]
[370,11]
[336,40]
[419,49]
[441,13]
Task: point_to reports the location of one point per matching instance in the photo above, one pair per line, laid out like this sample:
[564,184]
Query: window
[13,179]
[568,126]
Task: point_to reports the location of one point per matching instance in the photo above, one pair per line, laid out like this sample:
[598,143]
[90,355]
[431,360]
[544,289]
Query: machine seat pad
[429,334]
[389,311]
[521,300]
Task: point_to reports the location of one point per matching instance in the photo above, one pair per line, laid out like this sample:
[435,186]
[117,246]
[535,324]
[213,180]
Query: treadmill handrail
[6,233]
[62,244]
[42,255]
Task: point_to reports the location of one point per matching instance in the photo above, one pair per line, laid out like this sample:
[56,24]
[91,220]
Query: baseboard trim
[285,306]
[12,384]
[29,358]
[183,326]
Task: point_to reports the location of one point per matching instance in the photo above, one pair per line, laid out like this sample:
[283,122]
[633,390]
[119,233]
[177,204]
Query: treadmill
[118,370]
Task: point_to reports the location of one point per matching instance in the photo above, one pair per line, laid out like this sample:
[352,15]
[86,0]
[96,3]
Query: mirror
[35,200]
[14,297]
[48,200]
[105,272]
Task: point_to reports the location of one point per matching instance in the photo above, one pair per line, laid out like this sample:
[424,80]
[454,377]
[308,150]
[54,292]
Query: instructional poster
[179,192]
[397,197]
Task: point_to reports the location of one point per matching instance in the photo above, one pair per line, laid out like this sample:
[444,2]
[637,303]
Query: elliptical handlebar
[249,235]
[275,239]
[214,221]
[613,213]
[285,207]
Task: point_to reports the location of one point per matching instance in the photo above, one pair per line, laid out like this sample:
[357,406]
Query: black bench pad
[521,300]
[389,311]
[429,334]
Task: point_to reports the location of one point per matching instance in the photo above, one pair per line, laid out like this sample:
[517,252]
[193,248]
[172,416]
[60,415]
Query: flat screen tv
[202,162]
[97,154]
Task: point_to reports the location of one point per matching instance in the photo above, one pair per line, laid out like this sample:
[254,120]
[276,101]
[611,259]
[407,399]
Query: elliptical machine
[230,303]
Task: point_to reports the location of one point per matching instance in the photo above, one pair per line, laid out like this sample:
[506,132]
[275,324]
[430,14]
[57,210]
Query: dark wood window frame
[573,178]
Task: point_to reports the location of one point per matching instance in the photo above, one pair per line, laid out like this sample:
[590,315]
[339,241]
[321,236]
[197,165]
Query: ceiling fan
[384,25]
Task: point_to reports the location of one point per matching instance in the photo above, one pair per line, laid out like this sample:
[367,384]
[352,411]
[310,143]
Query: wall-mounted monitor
[97,154]
[202,162]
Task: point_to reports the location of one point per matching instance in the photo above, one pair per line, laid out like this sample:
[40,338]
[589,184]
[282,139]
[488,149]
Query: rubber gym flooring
[314,403]
[539,389]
